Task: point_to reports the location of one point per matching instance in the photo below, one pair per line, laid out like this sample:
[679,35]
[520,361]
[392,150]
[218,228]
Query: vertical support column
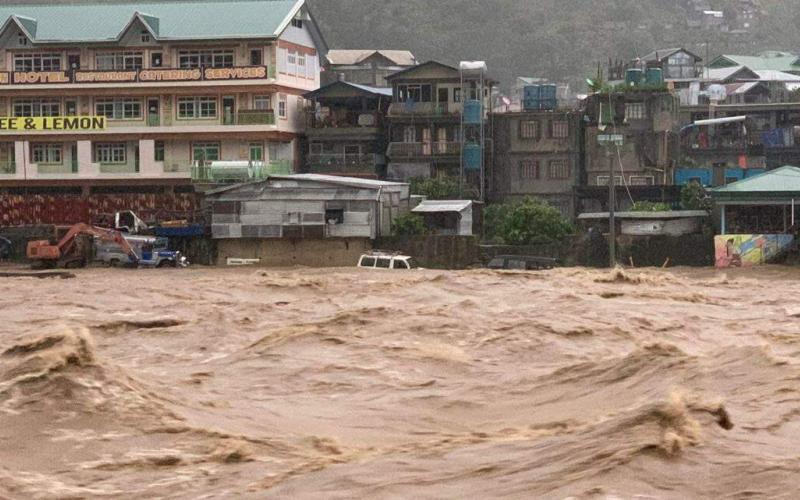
[22,160]
[147,154]
[85,166]
[722,220]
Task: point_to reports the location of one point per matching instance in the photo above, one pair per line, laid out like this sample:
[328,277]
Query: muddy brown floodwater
[346,383]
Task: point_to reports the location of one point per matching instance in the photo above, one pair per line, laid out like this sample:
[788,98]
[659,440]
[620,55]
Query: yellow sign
[52,123]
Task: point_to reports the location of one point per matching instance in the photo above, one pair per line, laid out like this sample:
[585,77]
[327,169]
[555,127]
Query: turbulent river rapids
[348,383]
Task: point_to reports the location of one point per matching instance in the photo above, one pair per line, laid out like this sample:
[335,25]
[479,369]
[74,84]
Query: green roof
[781,183]
[95,21]
[777,61]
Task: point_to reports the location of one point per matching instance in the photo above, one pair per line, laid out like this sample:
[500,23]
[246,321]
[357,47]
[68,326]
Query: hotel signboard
[133,76]
[52,124]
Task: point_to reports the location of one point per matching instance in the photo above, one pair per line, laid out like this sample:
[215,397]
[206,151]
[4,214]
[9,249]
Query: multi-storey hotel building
[161,89]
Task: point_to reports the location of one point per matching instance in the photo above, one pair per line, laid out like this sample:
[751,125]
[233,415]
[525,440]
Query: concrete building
[345,129]
[539,154]
[178,85]
[365,67]
[648,121]
[307,219]
[425,120]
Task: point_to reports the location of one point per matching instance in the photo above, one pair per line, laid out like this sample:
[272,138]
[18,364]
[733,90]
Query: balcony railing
[415,149]
[350,121]
[55,168]
[254,117]
[111,168]
[253,171]
[338,162]
[424,108]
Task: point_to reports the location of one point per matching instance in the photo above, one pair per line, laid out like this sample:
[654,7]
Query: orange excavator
[67,252]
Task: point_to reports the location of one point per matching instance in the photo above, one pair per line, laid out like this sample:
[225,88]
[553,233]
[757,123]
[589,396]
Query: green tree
[440,188]
[408,225]
[694,197]
[526,222]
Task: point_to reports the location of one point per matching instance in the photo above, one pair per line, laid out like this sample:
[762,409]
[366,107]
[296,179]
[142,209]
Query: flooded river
[212,383]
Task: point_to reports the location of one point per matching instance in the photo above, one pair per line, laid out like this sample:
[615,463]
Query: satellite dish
[717,92]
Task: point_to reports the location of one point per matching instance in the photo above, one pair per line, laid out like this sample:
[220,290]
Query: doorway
[228,110]
[153,116]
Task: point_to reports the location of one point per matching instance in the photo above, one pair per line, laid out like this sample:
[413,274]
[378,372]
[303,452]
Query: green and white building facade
[182,84]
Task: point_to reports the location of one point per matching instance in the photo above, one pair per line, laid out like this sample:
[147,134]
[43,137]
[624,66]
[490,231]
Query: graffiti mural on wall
[743,250]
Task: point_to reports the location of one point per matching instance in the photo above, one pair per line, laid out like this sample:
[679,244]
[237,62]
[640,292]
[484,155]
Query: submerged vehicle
[72,251]
[150,251]
[527,262]
[381,260]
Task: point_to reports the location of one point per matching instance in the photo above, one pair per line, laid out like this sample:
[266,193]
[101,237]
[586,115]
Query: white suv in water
[386,261]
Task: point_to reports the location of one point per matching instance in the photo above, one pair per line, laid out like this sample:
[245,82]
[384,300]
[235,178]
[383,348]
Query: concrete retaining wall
[277,252]
[436,251]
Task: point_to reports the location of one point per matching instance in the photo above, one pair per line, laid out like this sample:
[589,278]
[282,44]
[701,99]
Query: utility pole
[612,203]
[610,141]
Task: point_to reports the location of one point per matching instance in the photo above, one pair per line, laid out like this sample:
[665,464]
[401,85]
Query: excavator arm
[43,251]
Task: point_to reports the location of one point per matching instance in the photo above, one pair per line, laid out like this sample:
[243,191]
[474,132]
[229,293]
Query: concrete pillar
[85,166]
[147,163]
[22,160]
[722,220]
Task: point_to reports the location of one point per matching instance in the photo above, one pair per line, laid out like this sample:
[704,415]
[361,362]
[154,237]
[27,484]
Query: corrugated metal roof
[399,57]
[377,91]
[429,206]
[168,19]
[778,62]
[670,214]
[781,180]
[340,180]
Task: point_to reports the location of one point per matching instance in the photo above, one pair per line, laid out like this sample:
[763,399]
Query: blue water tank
[654,76]
[472,157]
[633,77]
[472,111]
[752,172]
[530,97]
[733,175]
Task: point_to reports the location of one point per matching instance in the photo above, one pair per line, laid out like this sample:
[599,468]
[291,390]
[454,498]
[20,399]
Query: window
[47,153]
[297,23]
[156,59]
[528,130]
[158,151]
[119,108]
[334,216]
[205,151]
[37,62]
[145,36]
[301,62]
[457,94]
[37,107]
[642,180]
[197,107]
[399,264]
[110,153]
[634,111]
[291,57]
[383,262]
[528,169]
[222,58]
[109,61]
[71,108]
[22,39]
[256,56]
[256,152]
[415,93]
[368,262]
[560,129]
[262,102]
[282,105]
[558,169]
